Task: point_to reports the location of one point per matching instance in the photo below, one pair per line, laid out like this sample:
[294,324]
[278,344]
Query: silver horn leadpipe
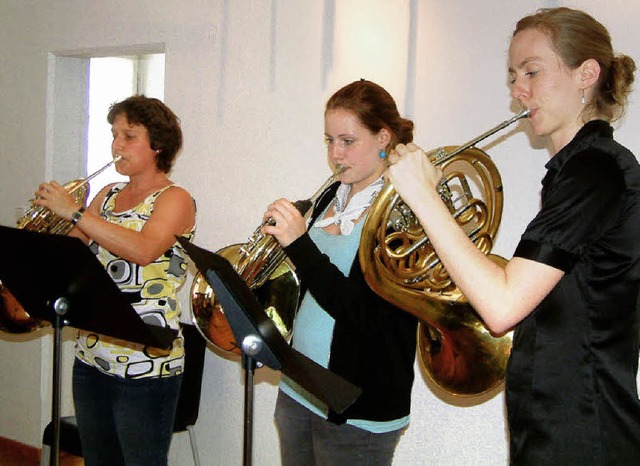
[442,156]
[117,158]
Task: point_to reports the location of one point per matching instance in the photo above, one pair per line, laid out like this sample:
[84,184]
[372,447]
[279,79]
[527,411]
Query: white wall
[249,80]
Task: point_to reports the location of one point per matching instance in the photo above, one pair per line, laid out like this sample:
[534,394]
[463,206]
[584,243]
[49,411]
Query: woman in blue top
[572,286]
[342,324]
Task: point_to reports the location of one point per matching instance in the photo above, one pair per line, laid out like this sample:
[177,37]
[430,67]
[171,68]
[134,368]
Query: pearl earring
[584,101]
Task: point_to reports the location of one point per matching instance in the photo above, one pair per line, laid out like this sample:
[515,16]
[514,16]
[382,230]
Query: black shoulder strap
[323,201]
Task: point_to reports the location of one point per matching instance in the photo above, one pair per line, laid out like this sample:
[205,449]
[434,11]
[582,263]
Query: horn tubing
[304,205]
[457,352]
[441,159]
[262,263]
[13,317]
[338,171]
[117,158]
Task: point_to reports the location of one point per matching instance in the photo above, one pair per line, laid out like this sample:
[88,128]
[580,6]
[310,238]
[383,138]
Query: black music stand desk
[58,279]
[261,342]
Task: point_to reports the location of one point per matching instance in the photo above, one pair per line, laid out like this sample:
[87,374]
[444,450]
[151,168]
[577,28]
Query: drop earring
[584,101]
[382,154]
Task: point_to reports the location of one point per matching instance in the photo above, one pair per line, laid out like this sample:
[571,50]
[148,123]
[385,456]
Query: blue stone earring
[382,154]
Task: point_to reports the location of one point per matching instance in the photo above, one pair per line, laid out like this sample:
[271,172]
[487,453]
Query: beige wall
[249,79]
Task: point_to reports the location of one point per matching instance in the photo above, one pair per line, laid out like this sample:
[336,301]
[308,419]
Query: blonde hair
[577,37]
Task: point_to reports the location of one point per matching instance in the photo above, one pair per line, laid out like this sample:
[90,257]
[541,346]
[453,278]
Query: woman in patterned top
[125,394]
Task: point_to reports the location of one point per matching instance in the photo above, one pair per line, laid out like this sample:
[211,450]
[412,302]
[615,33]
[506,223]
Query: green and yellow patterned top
[151,290]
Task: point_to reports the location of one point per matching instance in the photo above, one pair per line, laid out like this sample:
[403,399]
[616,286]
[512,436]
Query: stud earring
[382,154]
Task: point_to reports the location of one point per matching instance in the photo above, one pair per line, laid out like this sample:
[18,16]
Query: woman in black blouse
[572,287]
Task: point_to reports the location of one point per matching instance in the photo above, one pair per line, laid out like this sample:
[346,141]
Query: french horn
[265,268]
[13,317]
[457,351]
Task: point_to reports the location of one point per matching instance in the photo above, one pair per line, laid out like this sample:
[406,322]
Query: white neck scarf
[345,215]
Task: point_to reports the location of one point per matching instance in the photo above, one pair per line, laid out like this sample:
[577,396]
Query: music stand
[75,291]
[261,342]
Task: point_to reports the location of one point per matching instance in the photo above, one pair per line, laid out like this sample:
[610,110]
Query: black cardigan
[374,342]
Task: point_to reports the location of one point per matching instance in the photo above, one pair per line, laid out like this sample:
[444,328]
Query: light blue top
[313,327]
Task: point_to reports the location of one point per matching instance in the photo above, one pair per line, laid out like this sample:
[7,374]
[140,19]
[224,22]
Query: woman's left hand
[287,223]
[54,197]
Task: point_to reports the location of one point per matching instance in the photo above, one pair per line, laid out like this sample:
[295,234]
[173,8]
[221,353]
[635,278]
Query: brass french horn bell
[13,318]
[456,349]
[263,265]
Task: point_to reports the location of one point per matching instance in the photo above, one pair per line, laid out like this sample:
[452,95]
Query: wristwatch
[76,216]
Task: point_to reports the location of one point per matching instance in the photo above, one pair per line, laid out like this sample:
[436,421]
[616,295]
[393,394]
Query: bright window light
[112,79]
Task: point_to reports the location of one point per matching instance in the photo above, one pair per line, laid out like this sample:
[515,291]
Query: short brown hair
[163,126]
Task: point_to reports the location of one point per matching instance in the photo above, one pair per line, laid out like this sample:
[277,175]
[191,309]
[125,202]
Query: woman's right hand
[287,223]
[413,175]
[57,199]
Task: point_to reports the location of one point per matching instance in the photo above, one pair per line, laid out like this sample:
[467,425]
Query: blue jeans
[124,421]
[306,439]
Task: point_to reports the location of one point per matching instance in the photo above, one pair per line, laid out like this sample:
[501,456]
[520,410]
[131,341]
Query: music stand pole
[79,294]
[251,346]
[60,306]
[262,344]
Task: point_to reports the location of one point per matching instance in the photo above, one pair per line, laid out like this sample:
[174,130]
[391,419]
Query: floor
[17,454]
